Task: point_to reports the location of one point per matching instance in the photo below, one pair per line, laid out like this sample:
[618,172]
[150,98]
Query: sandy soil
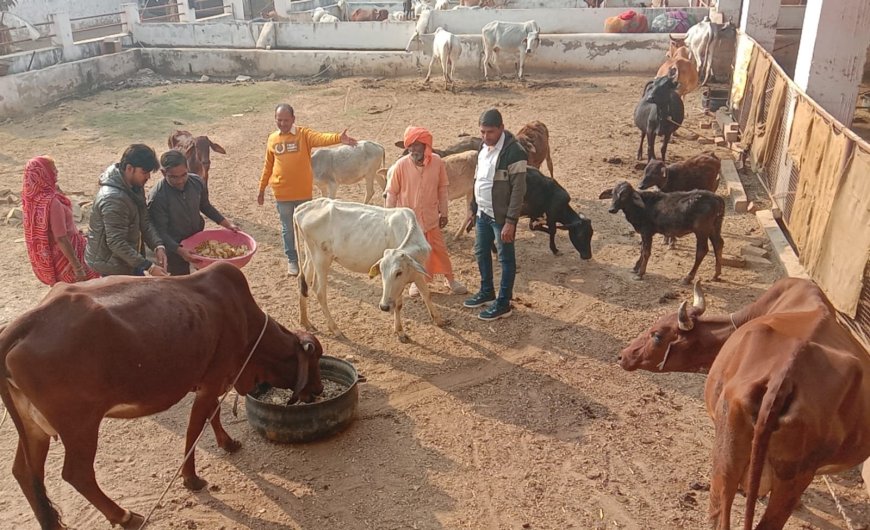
[521,423]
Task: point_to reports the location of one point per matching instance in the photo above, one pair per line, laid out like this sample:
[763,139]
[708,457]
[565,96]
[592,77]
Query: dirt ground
[521,423]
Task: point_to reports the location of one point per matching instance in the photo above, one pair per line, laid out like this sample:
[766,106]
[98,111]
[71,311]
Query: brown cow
[126,347]
[197,150]
[788,392]
[366,15]
[535,139]
[681,66]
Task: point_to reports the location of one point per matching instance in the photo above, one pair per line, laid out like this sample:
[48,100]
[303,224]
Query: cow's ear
[416,264]
[217,148]
[400,144]
[606,194]
[637,200]
[375,270]
[383,172]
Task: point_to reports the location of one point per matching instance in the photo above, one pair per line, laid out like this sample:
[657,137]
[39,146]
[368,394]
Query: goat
[673,214]
[660,112]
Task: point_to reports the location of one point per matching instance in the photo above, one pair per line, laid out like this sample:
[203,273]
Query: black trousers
[176,265]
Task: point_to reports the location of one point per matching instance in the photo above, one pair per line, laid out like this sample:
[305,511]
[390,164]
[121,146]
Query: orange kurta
[424,190]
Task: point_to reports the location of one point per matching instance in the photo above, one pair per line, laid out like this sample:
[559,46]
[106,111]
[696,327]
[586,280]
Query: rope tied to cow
[837,502]
[207,421]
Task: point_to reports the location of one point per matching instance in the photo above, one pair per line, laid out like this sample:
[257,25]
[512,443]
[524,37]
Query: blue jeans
[489,232]
[285,212]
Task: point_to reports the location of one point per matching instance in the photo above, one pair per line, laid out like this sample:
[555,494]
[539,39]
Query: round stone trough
[312,421]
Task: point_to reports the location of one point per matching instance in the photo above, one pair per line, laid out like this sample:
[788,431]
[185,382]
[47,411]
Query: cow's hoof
[134,522]
[637,277]
[716,279]
[441,322]
[403,338]
[231,446]
[340,336]
[194,483]
[687,280]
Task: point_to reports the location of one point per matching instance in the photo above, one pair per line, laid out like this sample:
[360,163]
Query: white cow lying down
[348,165]
[365,239]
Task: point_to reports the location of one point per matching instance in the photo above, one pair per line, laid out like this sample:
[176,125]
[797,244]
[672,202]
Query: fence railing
[817,173]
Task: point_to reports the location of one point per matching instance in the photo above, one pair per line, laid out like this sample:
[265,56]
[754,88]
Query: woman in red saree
[54,244]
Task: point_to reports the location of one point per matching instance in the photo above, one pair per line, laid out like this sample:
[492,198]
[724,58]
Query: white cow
[343,9]
[460,175]
[321,16]
[348,165]
[524,37]
[703,40]
[442,5]
[446,47]
[366,239]
[398,16]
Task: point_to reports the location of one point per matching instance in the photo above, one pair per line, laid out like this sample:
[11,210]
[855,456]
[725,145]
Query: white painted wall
[36,11]
[345,35]
[790,17]
[22,93]
[550,20]
[37,60]
[558,54]
[220,34]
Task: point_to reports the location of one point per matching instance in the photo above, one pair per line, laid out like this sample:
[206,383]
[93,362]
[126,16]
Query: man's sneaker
[494,312]
[479,299]
[293,268]
[413,290]
[456,287]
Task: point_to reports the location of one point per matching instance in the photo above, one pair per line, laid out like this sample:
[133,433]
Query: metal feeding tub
[307,422]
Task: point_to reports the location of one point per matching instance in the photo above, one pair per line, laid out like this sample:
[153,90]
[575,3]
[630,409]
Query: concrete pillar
[832,52]
[61,28]
[129,17]
[237,8]
[185,12]
[758,20]
[729,10]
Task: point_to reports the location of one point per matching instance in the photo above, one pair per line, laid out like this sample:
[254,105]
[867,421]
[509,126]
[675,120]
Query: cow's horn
[683,321]
[699,302]
[307,346]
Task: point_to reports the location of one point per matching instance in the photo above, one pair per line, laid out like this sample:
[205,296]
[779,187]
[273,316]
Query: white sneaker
[456,287]
[413,290]
[293,268]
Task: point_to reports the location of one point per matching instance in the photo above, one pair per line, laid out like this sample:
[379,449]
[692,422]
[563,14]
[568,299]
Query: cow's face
[203,147]
[581,237]
[397,269]
[621,196]
[673,344]
[285,359]
[415,44]
[655,174]
[532,41]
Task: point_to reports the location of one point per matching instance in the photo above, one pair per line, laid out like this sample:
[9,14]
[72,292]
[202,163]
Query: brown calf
[681,66]
[535,139]
[127,347]
[369,15]
[197,150]
[788,392]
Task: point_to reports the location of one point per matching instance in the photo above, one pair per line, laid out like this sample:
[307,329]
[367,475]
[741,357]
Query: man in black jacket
[174,206]
[119,221]
[499,189]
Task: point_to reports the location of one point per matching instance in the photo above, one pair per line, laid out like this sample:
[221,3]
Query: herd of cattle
[788,387]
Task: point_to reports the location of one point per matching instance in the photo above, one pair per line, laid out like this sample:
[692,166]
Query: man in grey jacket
[119,220]
[174,206]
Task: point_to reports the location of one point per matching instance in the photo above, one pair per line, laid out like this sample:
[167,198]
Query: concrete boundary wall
[43,58]
[558,54]
[550,20]
[22,93]
[220,34]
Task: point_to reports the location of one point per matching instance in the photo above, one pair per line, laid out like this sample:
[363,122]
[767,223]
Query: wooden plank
[728,173]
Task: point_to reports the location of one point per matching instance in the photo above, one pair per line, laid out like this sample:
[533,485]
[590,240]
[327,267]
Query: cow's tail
[46,512]
[301,256]
[774,403]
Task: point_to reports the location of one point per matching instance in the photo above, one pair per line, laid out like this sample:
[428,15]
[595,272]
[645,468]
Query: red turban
[419,134]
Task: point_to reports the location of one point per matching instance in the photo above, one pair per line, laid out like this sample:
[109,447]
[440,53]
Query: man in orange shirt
[419,182]
[288,171]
